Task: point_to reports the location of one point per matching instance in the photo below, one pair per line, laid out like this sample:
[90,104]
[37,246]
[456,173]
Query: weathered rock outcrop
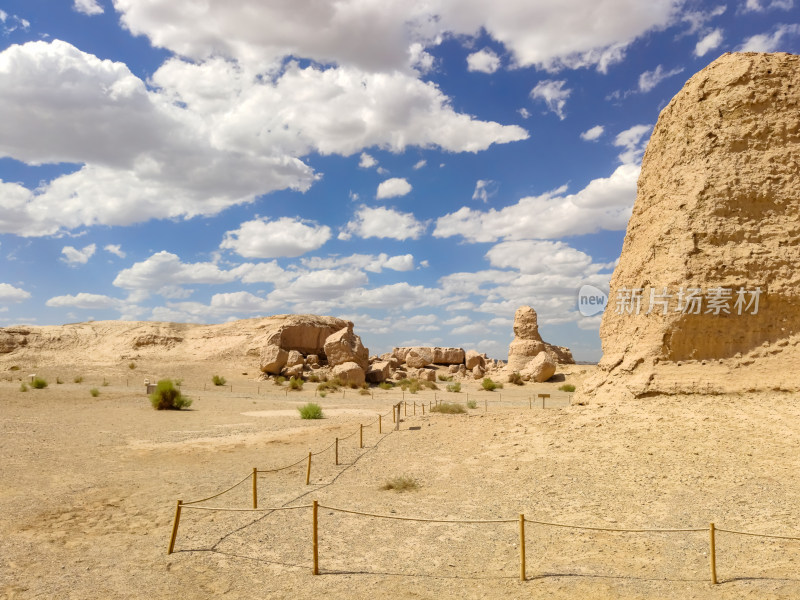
[345,346]
[540,369]
[706,295]
[349,373]
[435,354]
[528,343]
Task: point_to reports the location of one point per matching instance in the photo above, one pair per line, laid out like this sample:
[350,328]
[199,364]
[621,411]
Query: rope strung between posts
[220,494]
[282,468]
[420,520]
[219,508]
[777,537]
[324,449]
[692,530]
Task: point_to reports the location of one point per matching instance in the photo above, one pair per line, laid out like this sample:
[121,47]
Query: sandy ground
[89,487]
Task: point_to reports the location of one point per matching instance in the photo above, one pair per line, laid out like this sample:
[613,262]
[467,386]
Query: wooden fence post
[361,436]
[712,555]
[522,547]
[255,487]
[314,538]
[308,469]
[336,453]
[175,527]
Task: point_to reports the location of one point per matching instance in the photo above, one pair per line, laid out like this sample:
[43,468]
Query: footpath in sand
[90,486]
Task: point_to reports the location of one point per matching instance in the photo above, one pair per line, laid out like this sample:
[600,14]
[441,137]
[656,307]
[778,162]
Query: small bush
[442,377]
[454,387]
[94,392]
[449,408]
[310,411]
[472,404]
[365,392]
[402,483]
[515,378]
[331,385]
[386,385]
[38,383]
[279,380]
[58,381]
[168,397]
[323,393]
[78,379]
[13,368]
[295,383]
[567,387]
[488,384]
[217,380]
[131,365]
[313,378]
[23,387]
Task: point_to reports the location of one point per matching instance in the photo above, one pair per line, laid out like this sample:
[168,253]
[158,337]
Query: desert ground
[90,485]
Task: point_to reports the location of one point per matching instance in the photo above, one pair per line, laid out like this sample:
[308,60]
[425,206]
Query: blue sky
[421,168]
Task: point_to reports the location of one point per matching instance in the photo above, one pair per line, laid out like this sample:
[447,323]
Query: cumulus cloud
[87,7]
[769,42]
[484,189]
[87,301]
[419,164]
[553,94]
[283,237]
[9,293]
[593,134]
[758,6]
[633,142]
[115,249]
[383,223]
[73,256]
[391,188]
[484,61]
[708,42]
[605,203]
[366,161]
[368,262]
[650,79]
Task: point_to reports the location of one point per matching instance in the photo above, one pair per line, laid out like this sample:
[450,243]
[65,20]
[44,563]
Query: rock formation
[434,355]
[344,346]
[527,343]
[706,295]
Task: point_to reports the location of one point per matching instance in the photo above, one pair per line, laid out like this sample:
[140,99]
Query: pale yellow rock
[345,346]
[528,343]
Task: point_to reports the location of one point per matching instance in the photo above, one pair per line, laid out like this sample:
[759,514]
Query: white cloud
[484,61]
[769,42]
[86,301]
[383,222]
[708,43]
[268,272]
[164,270]
[9,293]
[485,189]
[87,7]
[366,161]
[391,188]
[633,140]
[73,256]
[478,328]
[650,79]
[593,134]
[524,113]
[368,262]
[605,203]
[553,94]
[757,6]
[287,237]
[115,249]
[698,19]
[536,256]
[419,164]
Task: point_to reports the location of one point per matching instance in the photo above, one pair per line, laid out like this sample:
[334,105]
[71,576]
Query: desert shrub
[472,404]
[311,410]
[323,393]
[38,383]
[168,396]
[449,408]
[23,387]
[279,380]
[488,384]
[386,385]
[131,365]
[313,378]
[94,392]
[402,483]
[218,380]
[410,385]
[429,384]
[515,378]
[365,391]
[442,377]
[13,368]
[58,380]
[454,387]
[327,385]
[78,379]
[295,383]
[567,387]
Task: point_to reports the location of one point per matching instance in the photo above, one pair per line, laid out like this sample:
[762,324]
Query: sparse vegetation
[296,383]
[78,379]
[386,385]
[364,391]
[454,387]
[94,392]
[218,380]
[38,383]
[311,410]
[313,378]
[58,381]
[168,397]
[131,365]
[472,404]
[402,483]
[279,380]
[490,385]
[331,385]
[323,393]
[442,377]
[14,368]
[567,387]
[23,387]
[415,385]
[515,378]
[449,408]
[105,382]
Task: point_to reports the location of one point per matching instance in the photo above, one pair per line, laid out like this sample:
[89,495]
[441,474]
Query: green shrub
[13,368]
[567,387]
[449,408]
[402,483]
[323,393]
[168,397]
[131,365]
[386,385]
[365,391]
[94,392]
[310,411]
[295,383]
[313,378]
[472,404]
[78,379]
[38,383]
[23,387]
[454,387]
[217,380]
[515,378]
[279,380]
[488,384]
[442,377]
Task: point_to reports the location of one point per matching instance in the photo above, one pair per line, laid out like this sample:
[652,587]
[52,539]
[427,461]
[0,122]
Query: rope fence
[521,519]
